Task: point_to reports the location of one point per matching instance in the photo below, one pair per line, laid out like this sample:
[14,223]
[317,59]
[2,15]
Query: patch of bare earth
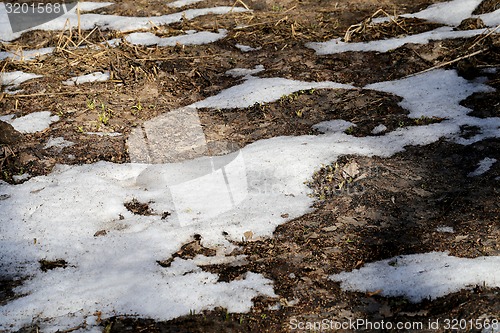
[395,210]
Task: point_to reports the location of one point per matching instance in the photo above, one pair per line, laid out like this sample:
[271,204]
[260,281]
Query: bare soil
[393,211]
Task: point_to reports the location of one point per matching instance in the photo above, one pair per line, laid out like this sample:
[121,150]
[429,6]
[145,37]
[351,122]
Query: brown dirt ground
[425,187]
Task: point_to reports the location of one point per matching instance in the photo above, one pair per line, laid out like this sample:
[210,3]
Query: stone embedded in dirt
[8,135]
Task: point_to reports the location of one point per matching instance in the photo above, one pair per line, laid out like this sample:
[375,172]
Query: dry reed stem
[78,14]
[241,2]
[446,63]
[63,93]
[483,36]
[367,22]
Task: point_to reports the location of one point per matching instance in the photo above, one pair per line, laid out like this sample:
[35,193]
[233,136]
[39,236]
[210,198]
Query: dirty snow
[237,72]
[261,90]
[381,128]
[25,55]
[19,178]
[446,229]
[92,77]
[246,48]
[333,126]
[420,276]
[33,122]
[450,13]
[273,173]
[116,271]
[182,3]
[13,79]
[338,46]
[58,143]
[190,38]
[483,166]
[112,22]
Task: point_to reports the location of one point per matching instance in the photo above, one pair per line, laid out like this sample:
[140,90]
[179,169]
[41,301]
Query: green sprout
[137,108]
[90,104]
[349,130]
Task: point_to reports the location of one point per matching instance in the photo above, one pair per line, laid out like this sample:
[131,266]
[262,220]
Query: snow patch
[58,143]
[450,13]
[443,228]
[246,48]
[483,166]
[92,77]
[116,22]
[182,3]
[33,122]
[381,128]
[421,276]
[192,38]
[333,126]
[337,46]
[25,55]
[13,79]
[237,72]
[261,90]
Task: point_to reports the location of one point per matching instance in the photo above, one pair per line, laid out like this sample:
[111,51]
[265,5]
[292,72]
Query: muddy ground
[394,211]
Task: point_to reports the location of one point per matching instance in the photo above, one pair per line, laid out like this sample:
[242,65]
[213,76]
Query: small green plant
[104,115]
[349,130]
[90,104]
[294,95]
[79,129]
[277,8]
[137,108]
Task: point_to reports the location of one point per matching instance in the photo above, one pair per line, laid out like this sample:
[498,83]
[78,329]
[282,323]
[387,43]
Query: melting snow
[182,3]
[450,13]
[33,122]
[379,129]
[337,46]
[333,126]
[261,90]
[250,192]
[77,213]
[421,276]
[246,48]
[113,22]
[14,79]
[25,55]
[237,72]
[92,77]
[58,143]
[445,229]
[191,38]
[483,166]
